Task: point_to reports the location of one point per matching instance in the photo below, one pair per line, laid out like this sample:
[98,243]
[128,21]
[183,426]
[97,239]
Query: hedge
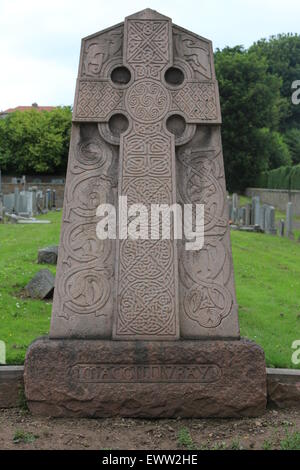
[284,177]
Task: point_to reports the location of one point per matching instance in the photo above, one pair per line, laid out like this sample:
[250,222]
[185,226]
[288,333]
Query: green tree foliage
[34,141]
[251,108]
[282,53]
[283,57]
[292,139]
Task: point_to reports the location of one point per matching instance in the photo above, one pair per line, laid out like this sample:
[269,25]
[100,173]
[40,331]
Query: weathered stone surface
[145,379]
[42,285]
[48,255]
[11,383]
[283,388]
[146,125]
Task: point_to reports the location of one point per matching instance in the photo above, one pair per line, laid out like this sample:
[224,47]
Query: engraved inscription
[145,373]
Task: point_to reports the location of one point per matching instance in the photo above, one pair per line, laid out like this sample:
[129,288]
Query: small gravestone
[255,213]
[42,285]
[48,255]
[235,207]
[145,327]
[270,226]
[242,215]
[16,206]
[262,217]
[248,214]
[281,227]
[289,220]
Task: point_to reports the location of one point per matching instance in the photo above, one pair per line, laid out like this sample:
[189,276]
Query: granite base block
[101,378]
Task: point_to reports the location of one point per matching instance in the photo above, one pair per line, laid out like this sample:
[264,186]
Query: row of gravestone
[260,216]
[29,203]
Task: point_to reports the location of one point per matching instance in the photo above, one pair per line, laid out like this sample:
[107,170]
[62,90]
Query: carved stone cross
[147,101]
[146,125]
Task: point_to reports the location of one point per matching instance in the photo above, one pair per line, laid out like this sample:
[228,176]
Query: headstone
[242,215]
[33,192]
[270,227]
[289,220]
[255,213]
[248,214]
[39,201]
[9,202]
[53,199]
[145,327]
[262,216]
[281,227]
[47,199]
[235,207]
[41,286]
[48,255]
[22,206]
[17,200]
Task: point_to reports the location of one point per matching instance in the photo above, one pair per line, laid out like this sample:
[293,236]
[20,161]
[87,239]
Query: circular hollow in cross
[120,76]
[118,124]
[174,76]
[176,125]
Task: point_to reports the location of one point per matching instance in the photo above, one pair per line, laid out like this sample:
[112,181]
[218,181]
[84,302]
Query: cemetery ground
[267,272]
[277,429]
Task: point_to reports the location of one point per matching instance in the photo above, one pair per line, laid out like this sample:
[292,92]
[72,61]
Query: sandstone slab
[99,378]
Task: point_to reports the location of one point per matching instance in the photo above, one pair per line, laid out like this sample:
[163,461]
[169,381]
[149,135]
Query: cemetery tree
[282,53]
[251,107]
[35,142]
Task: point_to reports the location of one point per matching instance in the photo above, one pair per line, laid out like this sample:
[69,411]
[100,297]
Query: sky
[40,39]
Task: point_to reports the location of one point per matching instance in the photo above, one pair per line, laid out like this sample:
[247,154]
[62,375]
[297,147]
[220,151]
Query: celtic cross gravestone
[145,327]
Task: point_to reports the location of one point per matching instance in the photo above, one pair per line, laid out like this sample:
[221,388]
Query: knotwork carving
[147,101]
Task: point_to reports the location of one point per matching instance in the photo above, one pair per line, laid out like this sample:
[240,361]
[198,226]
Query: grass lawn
[22,320]
[267,272]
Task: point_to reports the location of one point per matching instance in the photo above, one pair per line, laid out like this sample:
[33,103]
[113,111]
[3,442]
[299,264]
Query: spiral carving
[147,101]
